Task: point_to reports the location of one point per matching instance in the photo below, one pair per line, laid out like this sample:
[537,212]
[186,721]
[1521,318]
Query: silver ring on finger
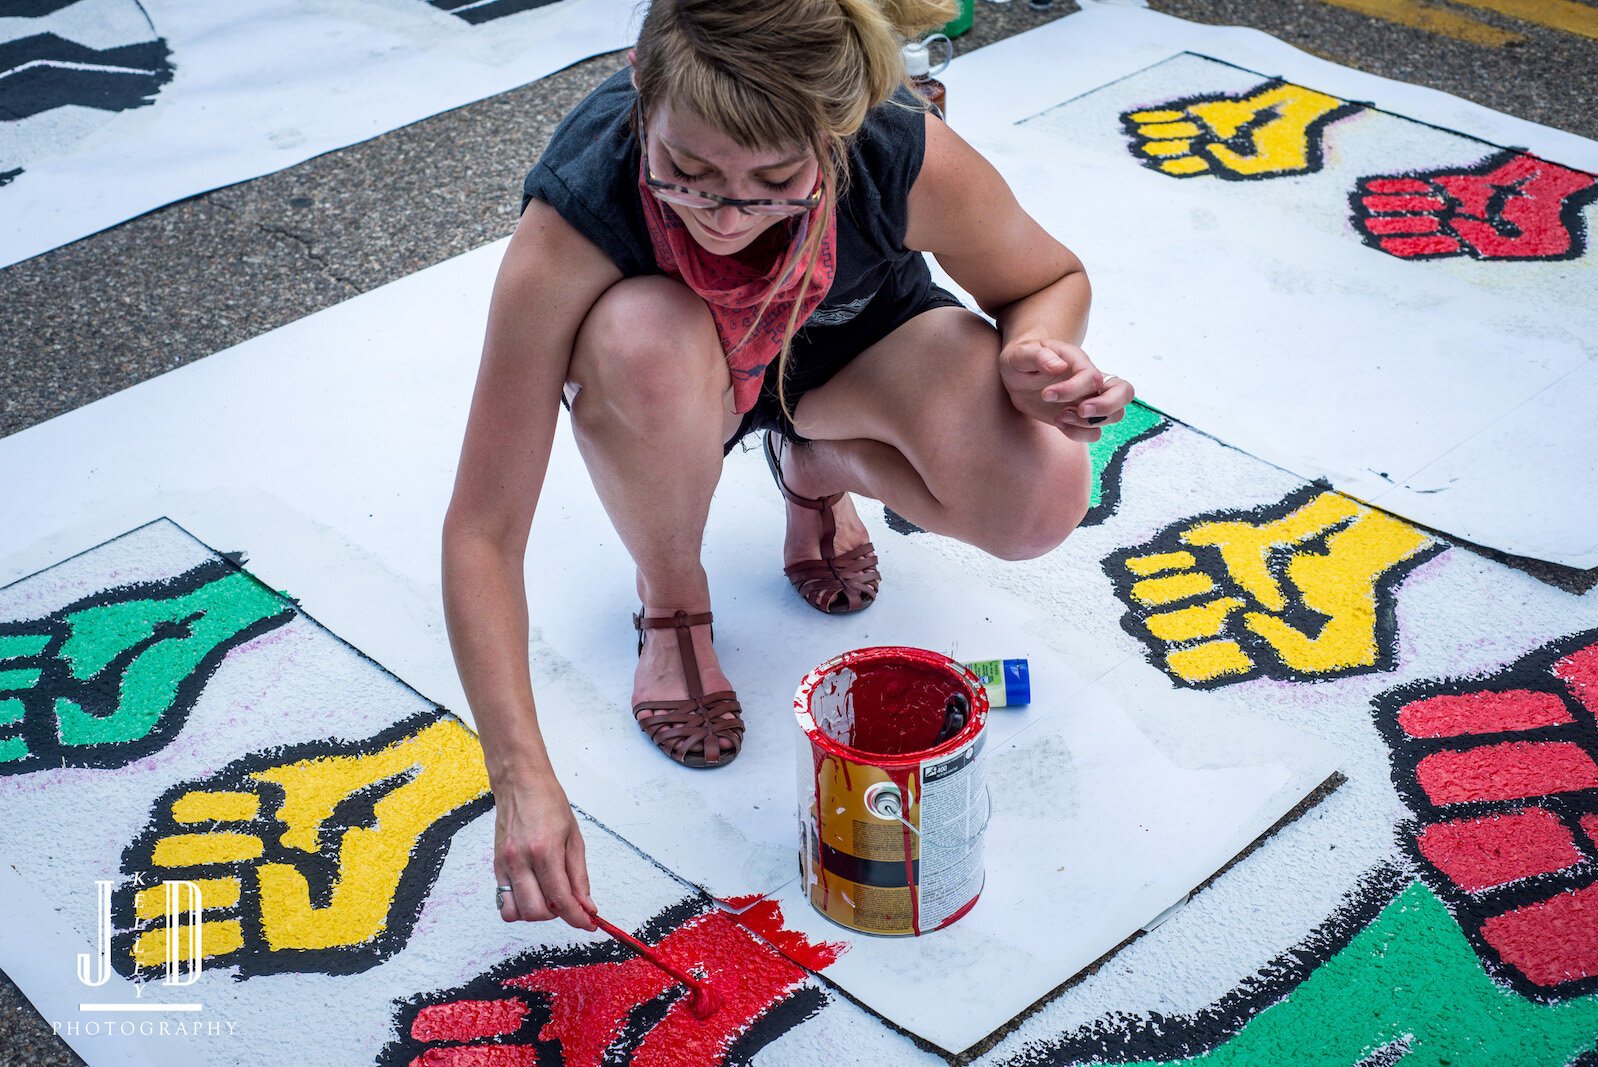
[499,894]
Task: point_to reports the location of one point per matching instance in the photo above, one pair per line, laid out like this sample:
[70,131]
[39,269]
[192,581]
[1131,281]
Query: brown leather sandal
[701,730]
[835,584]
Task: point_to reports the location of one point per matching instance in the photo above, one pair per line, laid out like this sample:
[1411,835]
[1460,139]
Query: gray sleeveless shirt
[589,174]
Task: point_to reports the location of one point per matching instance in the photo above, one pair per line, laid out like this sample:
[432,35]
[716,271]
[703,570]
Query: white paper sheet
[1255,311]
[295,684]
[336,491]
[1095,834]
[231,91]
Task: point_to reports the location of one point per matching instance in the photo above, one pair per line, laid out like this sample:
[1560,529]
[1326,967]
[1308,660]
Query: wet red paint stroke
[479,1056]
[1513,770]
[1579,671]
[468,1020]
[1483,713]
[1399,185]
[1551,942]
[762,916]
[1484,853]
[1510,206]
[590,1002]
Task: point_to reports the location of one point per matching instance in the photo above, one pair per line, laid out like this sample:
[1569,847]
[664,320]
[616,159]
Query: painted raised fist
[312,858]
[600,1003]
[1272,131]
[1301,590]
[1509,206]
[1502,777]
[111,678]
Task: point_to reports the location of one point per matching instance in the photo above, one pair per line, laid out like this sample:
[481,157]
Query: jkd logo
[183,941]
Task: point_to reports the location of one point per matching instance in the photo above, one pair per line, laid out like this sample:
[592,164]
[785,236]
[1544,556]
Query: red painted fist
[1510,206]
[600,1003]
[1503,777]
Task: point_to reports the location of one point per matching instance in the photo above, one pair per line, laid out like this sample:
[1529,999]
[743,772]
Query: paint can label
[954,813]
[893,802]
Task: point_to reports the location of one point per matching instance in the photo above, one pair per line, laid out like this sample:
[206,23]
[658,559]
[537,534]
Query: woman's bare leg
[921,422]
[650,420]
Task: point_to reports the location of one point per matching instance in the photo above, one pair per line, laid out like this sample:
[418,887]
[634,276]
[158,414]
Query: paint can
[892,796]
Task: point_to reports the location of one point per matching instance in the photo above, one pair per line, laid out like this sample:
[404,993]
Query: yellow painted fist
[1271,132]
[1300,590]
[314,859]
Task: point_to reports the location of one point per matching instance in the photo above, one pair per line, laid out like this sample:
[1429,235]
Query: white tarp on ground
[325,449]
[111,108]
[1430,351]
[314,726]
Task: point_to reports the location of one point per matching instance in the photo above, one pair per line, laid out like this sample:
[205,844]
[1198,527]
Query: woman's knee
[1057,509]
[1046,491]
[647,343]
[1026,482]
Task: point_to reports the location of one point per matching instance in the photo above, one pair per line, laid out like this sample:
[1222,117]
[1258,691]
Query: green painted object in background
[961,22]
[1408,981]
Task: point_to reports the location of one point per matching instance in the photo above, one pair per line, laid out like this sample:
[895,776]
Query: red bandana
[734,291]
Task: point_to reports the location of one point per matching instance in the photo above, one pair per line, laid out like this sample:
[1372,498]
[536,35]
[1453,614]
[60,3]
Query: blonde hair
[772,73]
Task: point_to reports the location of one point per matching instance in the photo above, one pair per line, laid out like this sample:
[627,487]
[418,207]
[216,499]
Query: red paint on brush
[1551,942]
[590,1003]
[1479,854]
[1579,671]
[468,1020]
[1514,770]
[704,1002]
[1482,713]
[762,916]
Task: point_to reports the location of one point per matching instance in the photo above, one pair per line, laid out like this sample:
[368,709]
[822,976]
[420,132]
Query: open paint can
[892,798]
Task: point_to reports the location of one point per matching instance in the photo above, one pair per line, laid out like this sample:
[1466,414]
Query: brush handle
[645,951]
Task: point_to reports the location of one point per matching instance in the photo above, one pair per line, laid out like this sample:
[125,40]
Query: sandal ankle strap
[683,623]
[822,504]
[642,622]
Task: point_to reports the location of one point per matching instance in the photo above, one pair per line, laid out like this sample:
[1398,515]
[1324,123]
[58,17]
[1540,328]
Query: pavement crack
[311,251]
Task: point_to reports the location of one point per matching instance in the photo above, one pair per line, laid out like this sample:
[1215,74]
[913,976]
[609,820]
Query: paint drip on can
[892,797]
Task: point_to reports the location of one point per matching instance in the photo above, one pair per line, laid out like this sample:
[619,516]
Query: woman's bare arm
[963,212]
[551,276]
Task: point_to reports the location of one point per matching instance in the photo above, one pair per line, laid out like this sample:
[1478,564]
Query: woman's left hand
[1056,382]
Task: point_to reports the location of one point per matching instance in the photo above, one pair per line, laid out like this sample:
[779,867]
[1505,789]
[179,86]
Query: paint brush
[955,713]
[706,1002]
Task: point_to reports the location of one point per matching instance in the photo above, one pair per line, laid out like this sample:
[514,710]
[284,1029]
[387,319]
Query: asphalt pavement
[190,279]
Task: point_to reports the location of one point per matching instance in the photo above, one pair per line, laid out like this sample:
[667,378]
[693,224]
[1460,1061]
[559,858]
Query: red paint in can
[893,800]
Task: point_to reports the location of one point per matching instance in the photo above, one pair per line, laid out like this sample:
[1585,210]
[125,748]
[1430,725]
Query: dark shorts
[820,352]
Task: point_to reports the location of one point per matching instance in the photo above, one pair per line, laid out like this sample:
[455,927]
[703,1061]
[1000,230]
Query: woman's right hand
[538,852]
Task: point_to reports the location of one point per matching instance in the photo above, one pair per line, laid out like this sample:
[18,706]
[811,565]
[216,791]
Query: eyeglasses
[683,196]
